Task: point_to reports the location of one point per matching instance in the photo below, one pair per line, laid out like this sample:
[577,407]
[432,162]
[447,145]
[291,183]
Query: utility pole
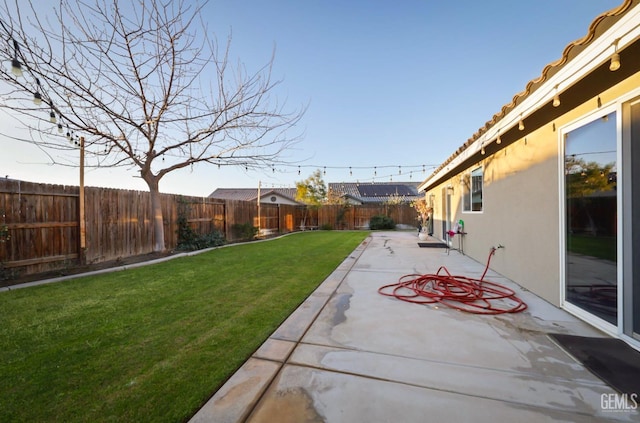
[259,186]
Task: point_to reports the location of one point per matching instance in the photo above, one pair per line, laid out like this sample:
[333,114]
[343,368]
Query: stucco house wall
[523,169]
[521,202]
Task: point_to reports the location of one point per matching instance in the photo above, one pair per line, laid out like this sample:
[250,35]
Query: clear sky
[399,84]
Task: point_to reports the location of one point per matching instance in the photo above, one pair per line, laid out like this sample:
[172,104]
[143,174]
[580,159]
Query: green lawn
[600,247]
[153,343]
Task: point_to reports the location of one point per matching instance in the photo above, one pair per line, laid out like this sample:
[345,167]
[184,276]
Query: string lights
[614,65]
[354,171]
[39,94]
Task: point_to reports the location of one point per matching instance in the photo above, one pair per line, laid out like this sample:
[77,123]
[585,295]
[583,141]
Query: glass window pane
[591,217]
[476,190]
[466,193]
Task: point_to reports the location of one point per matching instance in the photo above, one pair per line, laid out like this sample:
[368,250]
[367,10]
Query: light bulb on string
[556,98]
[52,116]
[37,97]
[615,62]
[615,57]
[16,67]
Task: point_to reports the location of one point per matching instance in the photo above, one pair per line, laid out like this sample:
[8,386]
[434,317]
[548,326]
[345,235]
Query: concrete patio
[349,354]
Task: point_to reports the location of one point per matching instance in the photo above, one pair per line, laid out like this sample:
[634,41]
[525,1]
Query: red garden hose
[459,292]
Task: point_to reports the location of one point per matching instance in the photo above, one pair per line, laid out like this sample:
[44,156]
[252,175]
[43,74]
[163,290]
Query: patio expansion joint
[559,379]
[432,388]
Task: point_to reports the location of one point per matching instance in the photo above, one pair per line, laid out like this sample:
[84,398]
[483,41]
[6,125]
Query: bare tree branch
[141,81]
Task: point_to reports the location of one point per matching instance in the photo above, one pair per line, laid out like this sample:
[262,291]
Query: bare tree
[144,83]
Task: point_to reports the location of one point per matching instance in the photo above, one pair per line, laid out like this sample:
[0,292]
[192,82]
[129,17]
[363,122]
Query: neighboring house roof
[377,192]
[251,194]
[595,58]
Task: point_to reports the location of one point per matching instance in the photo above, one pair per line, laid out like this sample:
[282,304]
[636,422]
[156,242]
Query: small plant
[4,229]
[244,231]
[187,237]
[326,227]
[381,222]
[342,212]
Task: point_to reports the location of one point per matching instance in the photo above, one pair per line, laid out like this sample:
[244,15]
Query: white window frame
[612,107]
[468,190]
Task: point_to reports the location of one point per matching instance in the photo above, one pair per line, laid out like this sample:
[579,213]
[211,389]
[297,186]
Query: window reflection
[591,217]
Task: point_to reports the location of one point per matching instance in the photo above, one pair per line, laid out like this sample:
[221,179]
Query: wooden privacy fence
[39,223]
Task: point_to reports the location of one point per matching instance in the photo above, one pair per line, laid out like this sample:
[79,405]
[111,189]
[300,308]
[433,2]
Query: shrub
[188,239]
[244,231]
[326,227]
[199,242]
[381,222]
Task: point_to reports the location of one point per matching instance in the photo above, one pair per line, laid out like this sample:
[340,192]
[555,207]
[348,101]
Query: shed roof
[251,194]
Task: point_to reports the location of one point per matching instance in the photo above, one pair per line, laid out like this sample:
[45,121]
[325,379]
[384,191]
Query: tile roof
[597,27]
[251,194]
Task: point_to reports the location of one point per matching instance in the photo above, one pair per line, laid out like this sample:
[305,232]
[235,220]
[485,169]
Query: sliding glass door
[631,218]
[591,198]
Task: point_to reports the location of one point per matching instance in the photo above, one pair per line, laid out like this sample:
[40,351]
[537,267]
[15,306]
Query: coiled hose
[459,292]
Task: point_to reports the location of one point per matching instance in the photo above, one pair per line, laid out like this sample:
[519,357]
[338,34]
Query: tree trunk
[156,210]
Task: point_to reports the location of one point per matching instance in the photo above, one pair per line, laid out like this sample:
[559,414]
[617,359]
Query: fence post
[83,227]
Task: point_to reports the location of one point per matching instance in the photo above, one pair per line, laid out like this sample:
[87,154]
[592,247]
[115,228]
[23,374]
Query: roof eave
[593,51]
